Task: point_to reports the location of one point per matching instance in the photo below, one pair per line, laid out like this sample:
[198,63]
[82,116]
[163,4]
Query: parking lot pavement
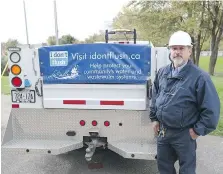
[209,158]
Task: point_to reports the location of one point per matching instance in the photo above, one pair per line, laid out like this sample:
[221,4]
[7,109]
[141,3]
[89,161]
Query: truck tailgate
[95,96]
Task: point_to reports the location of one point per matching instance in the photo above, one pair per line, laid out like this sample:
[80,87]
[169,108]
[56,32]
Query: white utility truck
[67,97]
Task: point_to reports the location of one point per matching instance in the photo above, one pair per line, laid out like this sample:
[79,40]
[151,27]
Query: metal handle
[40,94]
[120,31]
[149,89]
[33,62]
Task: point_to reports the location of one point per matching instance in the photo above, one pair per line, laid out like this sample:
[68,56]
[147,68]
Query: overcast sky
[80,18]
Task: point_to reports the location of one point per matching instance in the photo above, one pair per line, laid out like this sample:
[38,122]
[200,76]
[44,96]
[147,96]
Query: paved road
[209,154]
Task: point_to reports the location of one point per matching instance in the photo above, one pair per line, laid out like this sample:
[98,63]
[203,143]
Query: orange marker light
[15,69]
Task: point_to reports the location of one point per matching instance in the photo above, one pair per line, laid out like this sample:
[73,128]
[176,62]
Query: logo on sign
[58,58]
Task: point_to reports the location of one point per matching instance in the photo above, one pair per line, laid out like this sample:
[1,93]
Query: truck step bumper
[144,150]
[53,147]
[57,131]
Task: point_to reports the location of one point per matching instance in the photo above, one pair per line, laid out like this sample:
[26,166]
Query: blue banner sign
[95,63]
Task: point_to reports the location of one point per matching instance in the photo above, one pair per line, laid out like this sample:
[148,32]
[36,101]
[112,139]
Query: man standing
[184,105]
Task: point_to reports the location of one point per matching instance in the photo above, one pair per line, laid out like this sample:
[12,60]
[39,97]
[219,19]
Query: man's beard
[178,61]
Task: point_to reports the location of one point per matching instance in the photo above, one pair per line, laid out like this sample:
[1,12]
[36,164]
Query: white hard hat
[180,38]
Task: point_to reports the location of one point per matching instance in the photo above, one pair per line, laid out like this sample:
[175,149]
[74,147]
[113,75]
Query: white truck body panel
[41,127]
[30,69]
[91,96]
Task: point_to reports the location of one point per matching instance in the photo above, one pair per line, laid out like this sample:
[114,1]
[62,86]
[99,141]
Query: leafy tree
[97,37]
[215,14]
[68,39]
[51,40]
[65,39]
[157,20]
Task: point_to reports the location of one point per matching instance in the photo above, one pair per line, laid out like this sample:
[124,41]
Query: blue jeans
[176,145]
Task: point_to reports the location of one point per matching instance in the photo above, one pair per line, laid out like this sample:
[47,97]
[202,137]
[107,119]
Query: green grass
[5,88]
[204,63]
[218,82]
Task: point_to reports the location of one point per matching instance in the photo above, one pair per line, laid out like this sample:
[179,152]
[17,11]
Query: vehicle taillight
[15,69]
[15,57]
[82,122]
[107,123]
[16,81]
[94,123]
[16,73]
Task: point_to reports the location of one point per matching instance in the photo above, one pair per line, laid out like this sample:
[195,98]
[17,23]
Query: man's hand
[193,134]
[156,127]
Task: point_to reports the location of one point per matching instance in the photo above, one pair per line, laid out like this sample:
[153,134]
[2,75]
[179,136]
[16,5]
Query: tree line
[155,21]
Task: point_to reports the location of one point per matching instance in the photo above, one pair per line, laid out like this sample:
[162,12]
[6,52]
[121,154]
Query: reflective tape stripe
[93,102]
[111,102]
[75,102]
[15,105]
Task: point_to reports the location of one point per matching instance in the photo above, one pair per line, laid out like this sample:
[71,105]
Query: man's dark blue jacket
[188,99]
